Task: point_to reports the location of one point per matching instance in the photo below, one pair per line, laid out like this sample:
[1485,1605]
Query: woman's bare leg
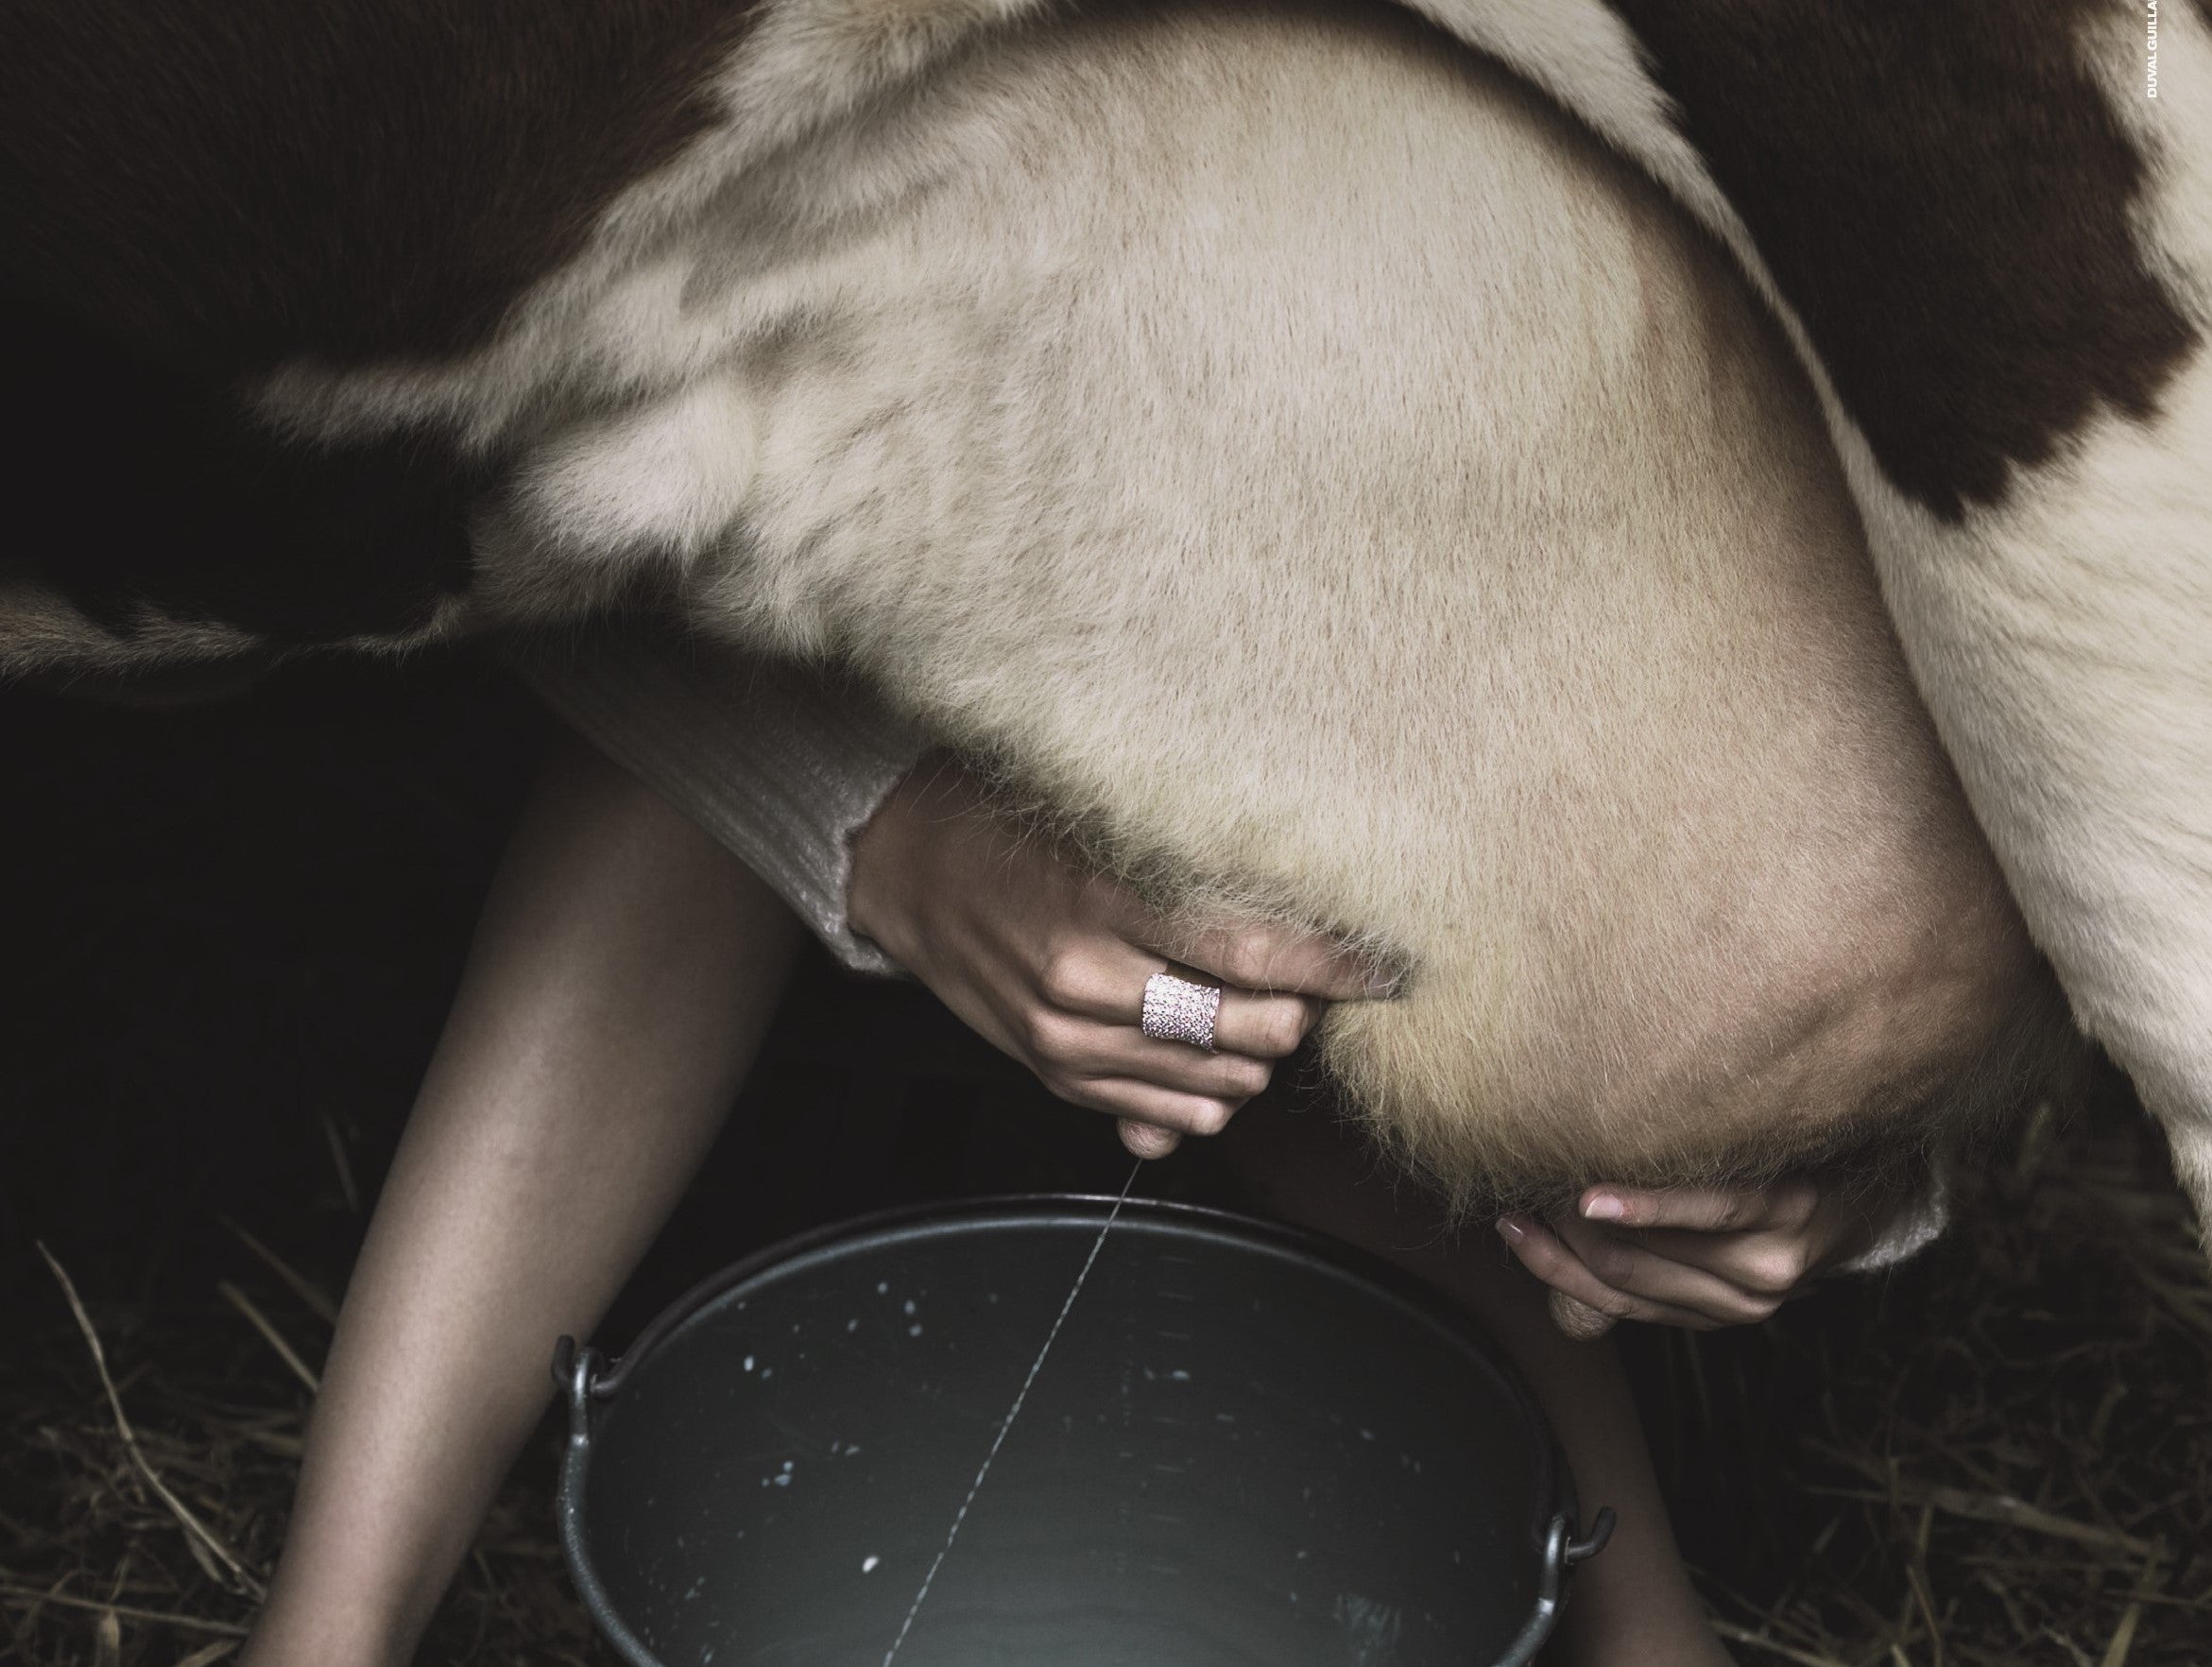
[1632,1606]
[622,976]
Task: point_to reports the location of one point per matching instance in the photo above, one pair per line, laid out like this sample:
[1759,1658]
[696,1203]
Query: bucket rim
[591,1381]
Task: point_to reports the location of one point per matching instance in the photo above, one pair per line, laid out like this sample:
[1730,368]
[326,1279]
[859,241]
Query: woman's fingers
[1271,958]
[1144,1140]
[1785,1205]
[1768,1263]
[1078,1029]
[1578,1320]
[1147,1103]
[1635,1270]
[1062,1046]
[1765,1240]
[1263,1027]
[1104,979]
[1097,977]
[1603,1275]
[1547,1256]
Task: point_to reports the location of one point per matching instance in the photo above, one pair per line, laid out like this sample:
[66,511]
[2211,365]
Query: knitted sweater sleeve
[782,763]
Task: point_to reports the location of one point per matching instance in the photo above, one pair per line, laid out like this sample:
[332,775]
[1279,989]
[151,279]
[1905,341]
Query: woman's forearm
[621,978]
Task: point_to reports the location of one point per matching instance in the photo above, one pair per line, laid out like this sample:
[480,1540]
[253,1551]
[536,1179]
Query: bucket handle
[1561,1552]
[576,1371]
[1573,1551]
[573,1369]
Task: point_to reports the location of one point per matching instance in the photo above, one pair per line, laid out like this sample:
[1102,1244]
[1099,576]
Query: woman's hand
[1048,962]
[1696,1257]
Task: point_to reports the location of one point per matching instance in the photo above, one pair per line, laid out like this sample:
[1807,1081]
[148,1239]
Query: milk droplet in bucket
[867,1565]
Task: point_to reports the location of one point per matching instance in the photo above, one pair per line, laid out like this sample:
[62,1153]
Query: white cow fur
[1329,483]
[2065,644]
[2062,640]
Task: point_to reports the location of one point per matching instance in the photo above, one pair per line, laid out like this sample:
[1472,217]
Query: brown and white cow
[733,302]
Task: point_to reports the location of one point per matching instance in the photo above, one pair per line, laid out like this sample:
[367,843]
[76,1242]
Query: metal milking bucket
[1248,1445]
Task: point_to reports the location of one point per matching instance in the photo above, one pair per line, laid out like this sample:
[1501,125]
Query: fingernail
[1511,1230]
[1382,987]
[1605,1207]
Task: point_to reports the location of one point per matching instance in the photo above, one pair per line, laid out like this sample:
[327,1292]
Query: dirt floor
[232,932]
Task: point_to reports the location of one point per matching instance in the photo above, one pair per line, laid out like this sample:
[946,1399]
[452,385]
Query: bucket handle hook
[1582,1551]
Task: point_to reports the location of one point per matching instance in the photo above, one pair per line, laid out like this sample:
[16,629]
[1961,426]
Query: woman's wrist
[883,853]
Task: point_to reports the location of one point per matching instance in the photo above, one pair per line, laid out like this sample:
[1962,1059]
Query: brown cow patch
[1943,194]
[236,182]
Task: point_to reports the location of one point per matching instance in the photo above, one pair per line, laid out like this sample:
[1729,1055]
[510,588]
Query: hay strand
[199,1536]
[260,1322]
[1974,1507]
[30,1597]
[308,1292]
[1734,1634]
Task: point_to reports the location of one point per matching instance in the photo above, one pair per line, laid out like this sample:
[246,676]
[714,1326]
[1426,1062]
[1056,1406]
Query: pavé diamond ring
[1177,1010]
